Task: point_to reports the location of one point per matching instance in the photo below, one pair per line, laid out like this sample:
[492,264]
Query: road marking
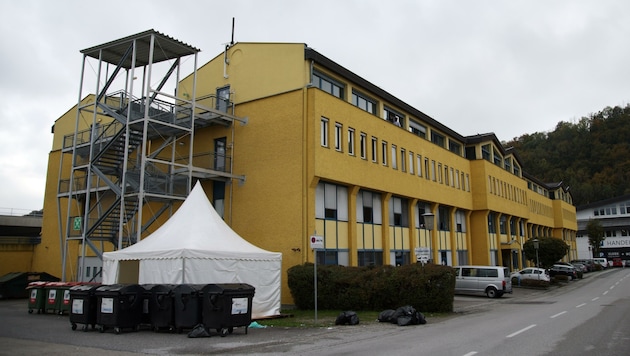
[557,315]
[580,305]
[594,299]
[606,292]
[521,331]
[470,353]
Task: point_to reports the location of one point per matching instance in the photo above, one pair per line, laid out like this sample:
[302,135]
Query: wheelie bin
[186,306]
[226,306]
[83,306]
[36,292]
[161,307]
[119,306]
[63,300]
[54,296]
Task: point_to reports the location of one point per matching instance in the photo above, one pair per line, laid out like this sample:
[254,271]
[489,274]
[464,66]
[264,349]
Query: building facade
[614,216]
[307,147]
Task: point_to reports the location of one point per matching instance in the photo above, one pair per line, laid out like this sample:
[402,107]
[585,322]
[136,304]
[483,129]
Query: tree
[595,232]
[550,250]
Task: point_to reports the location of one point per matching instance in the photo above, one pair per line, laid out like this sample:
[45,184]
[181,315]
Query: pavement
[50,334]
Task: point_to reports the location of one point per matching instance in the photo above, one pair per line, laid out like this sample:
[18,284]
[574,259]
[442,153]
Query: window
[485,152]
[491,224]
[426,168]
[398,212]
[394,157]
[394,117]
[417,129]
[433,178]
[369,207]
[324,132]
[363,143]
[384,152]
[444,218]
[508,164]
[328,85]
[411,162]
[437,139]
[374,150]
[363,102]
[452,176]
[403,160]
[497,158]
[455,147]
[338,128]
[419,165]
[351,141]
[370,258]
[331,202]
[439,173]
[517,170]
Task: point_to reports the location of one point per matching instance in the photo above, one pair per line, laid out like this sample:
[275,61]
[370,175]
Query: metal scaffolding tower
[133,150]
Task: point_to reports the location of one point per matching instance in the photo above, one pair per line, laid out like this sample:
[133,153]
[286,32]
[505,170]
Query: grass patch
[296,318]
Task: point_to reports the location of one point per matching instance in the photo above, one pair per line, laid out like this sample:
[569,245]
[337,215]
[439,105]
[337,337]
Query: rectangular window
[394,117]
[467,182]
[426,168]
[437,139]
[398,212]
[517,170]
[369,207]
[331,202]
[363,144]
[485,152]
[433,175]
[417,129]
[457,179]
[497,158]
[384,152]
[419,165]
[351,141]
[374,150]
[403,161]
[507,164]
[363,102]
[324,132]
[411,156]
[439,172]
[327,84]
[455,147]
[338,130]
[394,157]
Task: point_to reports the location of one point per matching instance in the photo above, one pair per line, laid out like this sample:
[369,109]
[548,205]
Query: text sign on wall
[317,242]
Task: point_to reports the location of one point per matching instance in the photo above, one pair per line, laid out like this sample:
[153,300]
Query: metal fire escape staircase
[128,162]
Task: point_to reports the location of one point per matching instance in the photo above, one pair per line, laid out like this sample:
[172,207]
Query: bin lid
[120,288]
[228,288]
[84,287]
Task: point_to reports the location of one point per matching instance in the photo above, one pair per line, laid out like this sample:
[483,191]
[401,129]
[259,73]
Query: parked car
[580,267]
[562,270]
[601,261]
[616,262]
[532,273]
[590,265]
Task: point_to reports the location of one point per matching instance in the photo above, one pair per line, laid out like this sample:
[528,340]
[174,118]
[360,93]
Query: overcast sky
[508,67]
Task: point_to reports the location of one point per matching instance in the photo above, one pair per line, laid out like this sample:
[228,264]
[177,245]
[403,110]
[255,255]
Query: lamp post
[428,224]
[536,245]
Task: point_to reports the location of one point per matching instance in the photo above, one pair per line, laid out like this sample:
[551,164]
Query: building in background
[614,215]
[287,144]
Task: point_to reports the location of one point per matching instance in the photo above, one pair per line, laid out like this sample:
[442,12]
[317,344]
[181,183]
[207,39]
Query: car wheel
[492,293]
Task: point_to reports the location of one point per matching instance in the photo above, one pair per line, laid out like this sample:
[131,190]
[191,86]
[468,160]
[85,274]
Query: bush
[429,288]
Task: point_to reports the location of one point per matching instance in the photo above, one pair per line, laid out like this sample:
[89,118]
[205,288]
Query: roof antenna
[232,42]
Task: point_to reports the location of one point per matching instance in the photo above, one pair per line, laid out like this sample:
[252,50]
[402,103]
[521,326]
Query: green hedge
[427,288]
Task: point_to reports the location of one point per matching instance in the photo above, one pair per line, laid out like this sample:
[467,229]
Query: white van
[493,281]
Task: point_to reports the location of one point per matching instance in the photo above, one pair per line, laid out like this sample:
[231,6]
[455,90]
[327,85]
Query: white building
[614,215]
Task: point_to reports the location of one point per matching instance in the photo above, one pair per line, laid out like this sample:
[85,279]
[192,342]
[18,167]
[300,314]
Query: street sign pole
[315,282]
[317,242]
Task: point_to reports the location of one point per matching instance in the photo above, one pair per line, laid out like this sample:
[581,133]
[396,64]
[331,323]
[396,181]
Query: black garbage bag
[386,316]
[408,315]
[199,331]
[347,318]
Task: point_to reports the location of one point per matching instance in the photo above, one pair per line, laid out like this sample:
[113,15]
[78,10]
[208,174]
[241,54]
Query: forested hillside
[591,156]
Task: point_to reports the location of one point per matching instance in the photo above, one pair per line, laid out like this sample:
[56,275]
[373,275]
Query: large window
[455,147]
[369,207]
[374,150]
[394,117]
[331,202]
[394,157]
[327,84]
[363,102]
[384,152]
[437,139]
[485,152]
[417,129]
[398,212]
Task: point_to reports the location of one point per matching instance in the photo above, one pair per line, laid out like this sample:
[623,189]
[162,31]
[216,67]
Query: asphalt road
[22,333]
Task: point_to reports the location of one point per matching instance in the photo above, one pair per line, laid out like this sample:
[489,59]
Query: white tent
[195,246]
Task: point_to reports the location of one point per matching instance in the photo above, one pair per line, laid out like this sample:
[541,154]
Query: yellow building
[287,144]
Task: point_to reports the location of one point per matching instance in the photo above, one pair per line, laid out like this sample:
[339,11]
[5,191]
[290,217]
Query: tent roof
[195,231]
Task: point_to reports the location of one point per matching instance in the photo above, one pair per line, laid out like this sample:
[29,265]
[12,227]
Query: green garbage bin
[54,296]
[226,306]
[36,295]
[63,300]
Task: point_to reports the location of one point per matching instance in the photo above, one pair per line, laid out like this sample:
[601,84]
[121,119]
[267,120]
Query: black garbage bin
[226,306]
[161,307]
[83,306]
[186,306]
[119,306]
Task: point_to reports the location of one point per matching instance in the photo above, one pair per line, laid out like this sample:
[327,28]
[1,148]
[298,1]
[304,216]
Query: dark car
[562,270]
[590,265]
